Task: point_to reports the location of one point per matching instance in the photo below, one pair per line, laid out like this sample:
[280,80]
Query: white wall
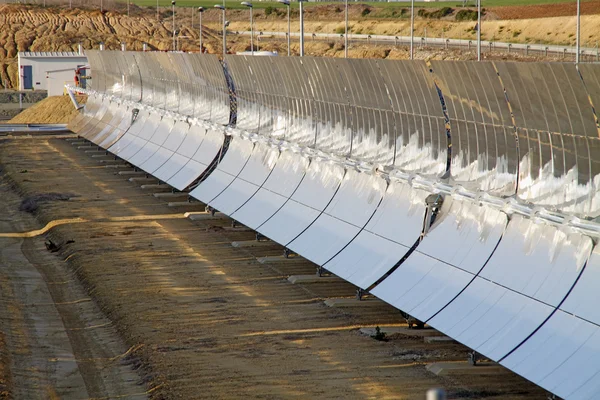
[42,64]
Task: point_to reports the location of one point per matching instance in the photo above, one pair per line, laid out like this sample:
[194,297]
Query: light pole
[578,38]
[249,5]
[101,6]
[346,34]
[174,44]
[412,29]
[478,30]
[301,28]
[222,8]
[200,11]
[128,8]
[157,16]
[287,3]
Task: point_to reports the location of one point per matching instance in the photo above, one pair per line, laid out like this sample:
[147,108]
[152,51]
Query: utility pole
[346,34]
[478,30]
[174,30]
[412,29]
[578,39]
[200,11]
[301,28]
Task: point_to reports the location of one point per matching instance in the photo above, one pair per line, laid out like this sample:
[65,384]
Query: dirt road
[202,319]
[54,341]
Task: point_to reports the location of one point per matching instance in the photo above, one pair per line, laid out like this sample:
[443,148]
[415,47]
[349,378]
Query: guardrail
[589,53]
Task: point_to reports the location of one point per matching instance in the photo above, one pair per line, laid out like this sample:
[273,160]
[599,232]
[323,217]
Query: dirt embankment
[33,28]
[52,110]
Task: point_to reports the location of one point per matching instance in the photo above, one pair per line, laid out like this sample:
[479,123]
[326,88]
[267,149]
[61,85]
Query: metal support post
[412,29]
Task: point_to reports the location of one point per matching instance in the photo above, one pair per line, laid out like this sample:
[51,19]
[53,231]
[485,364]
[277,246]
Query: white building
[49,70]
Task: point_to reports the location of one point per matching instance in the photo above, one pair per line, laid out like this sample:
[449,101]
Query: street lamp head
[247,4]
[220,7]
[173,3]
[201,9]
[286,2]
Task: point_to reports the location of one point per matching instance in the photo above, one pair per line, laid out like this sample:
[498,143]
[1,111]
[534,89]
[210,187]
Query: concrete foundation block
[349,303]
[156,187]
[203,216]
[274,259]
[449,368]
[307,279]
[252,243]
[132,173]
[439,339]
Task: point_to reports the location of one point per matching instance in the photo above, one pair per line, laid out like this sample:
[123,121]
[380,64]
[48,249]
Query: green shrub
[466,15]
[365,12]
[441,13]
[340,30]
[269,10]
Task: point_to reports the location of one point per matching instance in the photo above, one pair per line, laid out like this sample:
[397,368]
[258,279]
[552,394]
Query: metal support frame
[359,294]
[287,253]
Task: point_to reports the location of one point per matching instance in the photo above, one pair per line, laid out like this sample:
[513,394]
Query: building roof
[41,54]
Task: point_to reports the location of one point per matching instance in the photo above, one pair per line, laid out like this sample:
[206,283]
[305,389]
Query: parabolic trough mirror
[464,194]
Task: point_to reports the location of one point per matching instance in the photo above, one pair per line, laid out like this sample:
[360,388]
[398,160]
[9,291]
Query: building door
[27,77]
[83,72]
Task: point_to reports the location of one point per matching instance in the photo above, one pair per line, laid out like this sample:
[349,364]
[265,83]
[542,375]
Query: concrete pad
[193,204]
[156,186]
[111,161]
[118,166]
[403,330]
[201,216]
[305,279]
[460,367]
[349,303]
[252,243]
[172,196]
[130,173]
[439,339]
[143,179]
[274,259]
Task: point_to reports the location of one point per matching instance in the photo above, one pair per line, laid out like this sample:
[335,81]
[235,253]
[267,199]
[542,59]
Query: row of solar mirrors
[516,290]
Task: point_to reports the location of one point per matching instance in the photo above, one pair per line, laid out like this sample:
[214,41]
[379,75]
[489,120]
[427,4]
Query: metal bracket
[287,253]
[359,294]
[473,357]
[210,210]
[260,237]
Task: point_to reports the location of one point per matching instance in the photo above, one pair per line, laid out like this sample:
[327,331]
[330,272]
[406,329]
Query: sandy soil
[205,319]
[52,110]
[54,341]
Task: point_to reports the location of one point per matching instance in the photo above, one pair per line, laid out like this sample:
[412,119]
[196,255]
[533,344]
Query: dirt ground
[133,298]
